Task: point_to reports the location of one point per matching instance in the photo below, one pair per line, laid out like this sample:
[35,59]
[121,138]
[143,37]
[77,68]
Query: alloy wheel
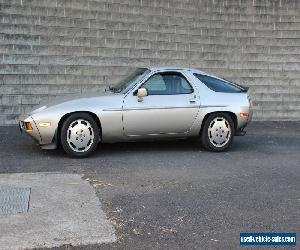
[80,135]
[219,131]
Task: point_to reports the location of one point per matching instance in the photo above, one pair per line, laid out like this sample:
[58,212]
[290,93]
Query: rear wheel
[218,131]
[79,135]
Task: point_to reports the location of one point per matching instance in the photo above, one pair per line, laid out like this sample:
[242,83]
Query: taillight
[244,114]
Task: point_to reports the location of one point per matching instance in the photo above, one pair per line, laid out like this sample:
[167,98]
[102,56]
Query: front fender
[106,108]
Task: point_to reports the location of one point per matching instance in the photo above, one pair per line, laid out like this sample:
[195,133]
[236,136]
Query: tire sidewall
[64,130]
[204,135]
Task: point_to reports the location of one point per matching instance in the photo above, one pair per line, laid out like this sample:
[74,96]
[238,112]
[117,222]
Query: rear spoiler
[243,88]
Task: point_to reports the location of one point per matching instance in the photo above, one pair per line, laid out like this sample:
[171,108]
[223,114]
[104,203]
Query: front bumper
[31,130]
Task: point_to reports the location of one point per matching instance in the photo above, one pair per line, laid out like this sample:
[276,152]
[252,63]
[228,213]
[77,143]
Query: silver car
[156,103]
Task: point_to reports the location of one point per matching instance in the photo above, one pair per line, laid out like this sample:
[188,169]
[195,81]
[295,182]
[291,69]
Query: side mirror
[142,92]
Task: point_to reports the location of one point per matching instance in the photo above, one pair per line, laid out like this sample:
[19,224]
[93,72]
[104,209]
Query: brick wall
[57,47]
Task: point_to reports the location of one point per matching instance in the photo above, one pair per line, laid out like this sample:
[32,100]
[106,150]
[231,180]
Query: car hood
[71,98]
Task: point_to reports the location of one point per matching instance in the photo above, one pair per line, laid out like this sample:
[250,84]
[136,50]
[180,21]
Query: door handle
[193,99]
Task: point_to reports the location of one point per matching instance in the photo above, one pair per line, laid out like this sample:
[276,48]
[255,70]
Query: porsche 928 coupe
[149,104]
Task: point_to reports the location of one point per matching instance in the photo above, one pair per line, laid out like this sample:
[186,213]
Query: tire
[217,132]
[80,135]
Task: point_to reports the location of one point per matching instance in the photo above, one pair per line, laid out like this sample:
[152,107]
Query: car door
[170,107]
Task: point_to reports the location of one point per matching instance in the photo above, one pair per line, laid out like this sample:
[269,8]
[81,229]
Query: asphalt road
[175,195]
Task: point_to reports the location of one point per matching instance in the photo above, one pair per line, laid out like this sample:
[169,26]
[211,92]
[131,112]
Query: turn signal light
[28,126]
[244,114]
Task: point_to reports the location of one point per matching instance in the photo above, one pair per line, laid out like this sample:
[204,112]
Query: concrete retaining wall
[57,47]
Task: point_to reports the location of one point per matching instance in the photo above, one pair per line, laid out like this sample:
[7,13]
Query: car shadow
[25,146]
[127,148]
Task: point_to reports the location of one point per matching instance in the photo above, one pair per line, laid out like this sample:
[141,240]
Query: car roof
[176,68]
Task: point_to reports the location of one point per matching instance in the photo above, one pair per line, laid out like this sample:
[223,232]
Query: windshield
[127,81]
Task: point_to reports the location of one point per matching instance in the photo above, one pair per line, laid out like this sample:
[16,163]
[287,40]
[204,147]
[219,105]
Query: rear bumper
[243,123]
[240,132]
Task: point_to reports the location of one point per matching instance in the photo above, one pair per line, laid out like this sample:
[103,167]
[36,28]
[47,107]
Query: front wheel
[79,135]
[217,132]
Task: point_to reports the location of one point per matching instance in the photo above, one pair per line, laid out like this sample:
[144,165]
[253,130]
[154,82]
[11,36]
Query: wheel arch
[231,114]
[65,116]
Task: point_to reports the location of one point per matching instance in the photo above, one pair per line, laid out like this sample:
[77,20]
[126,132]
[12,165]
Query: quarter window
[218,85]
[169,83]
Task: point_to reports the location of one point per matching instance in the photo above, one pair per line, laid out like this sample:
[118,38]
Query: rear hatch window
[220,85]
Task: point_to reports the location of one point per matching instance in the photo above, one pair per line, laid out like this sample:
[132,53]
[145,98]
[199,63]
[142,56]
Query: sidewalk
[63,209]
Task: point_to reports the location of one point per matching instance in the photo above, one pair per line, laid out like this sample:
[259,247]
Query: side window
[156,83]
[169,83]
